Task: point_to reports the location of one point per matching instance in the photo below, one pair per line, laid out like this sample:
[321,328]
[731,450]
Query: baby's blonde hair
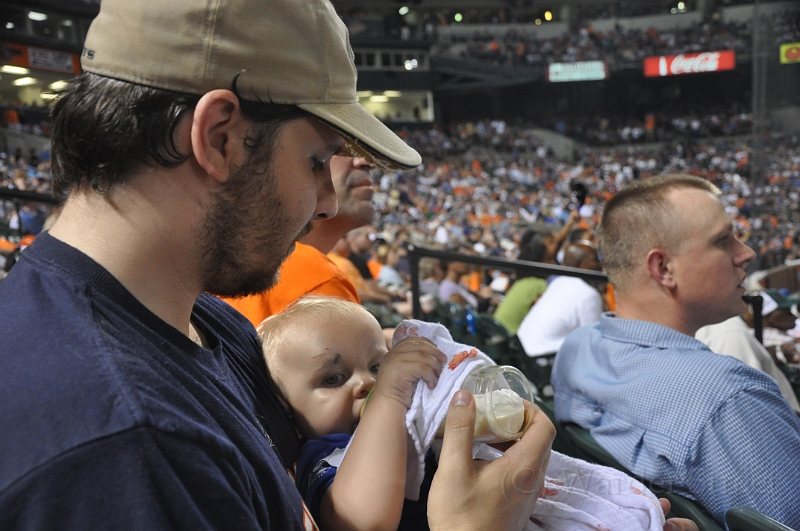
[274,330]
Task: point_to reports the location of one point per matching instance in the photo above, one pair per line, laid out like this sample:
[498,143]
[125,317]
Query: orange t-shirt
[305,271]
[374,268]
[350,271]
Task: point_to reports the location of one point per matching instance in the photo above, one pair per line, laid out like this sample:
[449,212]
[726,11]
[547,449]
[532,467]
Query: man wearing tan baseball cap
[193,152]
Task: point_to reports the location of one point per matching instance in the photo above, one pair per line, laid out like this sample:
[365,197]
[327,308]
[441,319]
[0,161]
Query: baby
[323,355]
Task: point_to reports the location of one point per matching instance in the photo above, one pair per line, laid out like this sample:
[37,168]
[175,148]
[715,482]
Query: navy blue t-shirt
[112,419]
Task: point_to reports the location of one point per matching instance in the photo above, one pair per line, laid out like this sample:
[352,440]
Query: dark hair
[105,129]
[534,251]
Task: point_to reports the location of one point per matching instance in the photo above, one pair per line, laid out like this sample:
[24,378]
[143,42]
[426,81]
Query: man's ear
[660,268]
[217,129]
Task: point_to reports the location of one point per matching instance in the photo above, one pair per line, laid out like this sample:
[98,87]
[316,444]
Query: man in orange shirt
[308,270]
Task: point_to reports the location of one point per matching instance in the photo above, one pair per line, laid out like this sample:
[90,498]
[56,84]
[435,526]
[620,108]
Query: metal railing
[15,195]
[535,268]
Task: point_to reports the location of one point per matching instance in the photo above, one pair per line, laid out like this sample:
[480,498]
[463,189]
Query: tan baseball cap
[283,51]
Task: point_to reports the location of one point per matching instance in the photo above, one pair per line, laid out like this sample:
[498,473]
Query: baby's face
[327,369]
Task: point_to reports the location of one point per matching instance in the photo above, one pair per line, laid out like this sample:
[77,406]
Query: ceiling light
[378,99]
[48,96]
[57,85]
[548,16]
[403,10]
[38,17]
[9,25]
[458,17]
[16,70]
[392,93]
[24,81]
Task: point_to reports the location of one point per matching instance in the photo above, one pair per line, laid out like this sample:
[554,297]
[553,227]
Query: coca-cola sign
[689,63]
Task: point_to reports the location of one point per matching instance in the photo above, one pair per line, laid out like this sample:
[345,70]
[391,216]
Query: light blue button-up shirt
[702,425]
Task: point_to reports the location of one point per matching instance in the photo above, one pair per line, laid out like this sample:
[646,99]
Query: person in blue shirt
[705,426]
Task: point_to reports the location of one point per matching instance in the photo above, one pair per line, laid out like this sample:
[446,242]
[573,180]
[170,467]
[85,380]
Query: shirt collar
[645,333]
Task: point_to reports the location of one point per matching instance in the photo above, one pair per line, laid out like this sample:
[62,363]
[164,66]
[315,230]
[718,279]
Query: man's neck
[133,236]
[653,311]
[326,233]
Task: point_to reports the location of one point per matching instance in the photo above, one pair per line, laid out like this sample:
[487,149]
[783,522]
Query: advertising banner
[578,71]
[689,63]
[12,53]
[790,53]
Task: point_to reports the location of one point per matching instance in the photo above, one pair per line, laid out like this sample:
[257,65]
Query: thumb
[458,431]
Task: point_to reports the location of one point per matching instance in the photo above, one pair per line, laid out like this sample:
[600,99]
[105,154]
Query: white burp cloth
[429,406]
[577,496]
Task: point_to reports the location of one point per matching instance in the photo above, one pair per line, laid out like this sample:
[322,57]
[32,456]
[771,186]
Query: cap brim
[367,137]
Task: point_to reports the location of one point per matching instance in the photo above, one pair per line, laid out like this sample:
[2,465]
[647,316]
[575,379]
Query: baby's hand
[412,359]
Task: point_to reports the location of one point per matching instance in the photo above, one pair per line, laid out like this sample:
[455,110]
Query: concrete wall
[658,22]
[564,148]
[547,30]
[787,118]
[745,13]
[11,140]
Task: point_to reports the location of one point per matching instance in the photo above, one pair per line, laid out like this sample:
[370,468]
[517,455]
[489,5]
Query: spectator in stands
[451,288]
[567,303]
[779,319]
[705,426]
[367,289]
[734,338]
[388,277]
[152,406]
[308,269]
[525,290]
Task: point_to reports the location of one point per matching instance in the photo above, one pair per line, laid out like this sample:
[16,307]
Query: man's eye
[374,369]
[333,380]
[316,164]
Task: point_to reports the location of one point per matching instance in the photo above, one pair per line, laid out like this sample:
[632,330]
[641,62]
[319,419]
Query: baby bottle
[501,412]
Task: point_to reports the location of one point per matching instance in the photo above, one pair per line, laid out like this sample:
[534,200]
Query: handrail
[535,268]
[538,269]
[25,195]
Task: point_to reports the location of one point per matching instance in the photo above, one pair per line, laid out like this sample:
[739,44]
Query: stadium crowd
[620,48]
[483,182]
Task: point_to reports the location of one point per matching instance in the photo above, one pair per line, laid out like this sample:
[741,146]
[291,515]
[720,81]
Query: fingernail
[461,398]
[669,526]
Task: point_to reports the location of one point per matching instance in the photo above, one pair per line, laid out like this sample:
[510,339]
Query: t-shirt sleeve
[148,480]
[748,453]
[314,473]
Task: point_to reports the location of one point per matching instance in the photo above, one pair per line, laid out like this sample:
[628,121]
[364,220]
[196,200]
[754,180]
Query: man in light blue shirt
[702,425]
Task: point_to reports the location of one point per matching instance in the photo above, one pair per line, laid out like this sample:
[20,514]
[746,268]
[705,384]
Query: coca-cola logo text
[690,63]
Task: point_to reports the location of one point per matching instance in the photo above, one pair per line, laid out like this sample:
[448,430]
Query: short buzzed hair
[640,218]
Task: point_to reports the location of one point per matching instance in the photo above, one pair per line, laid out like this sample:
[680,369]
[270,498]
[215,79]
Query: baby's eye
[374,368]
[333,380]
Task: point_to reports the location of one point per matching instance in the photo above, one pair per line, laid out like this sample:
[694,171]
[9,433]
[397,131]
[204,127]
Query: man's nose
[327,205]
[746,254]
[361,162]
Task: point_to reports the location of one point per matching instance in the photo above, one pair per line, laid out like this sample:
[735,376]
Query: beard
[244,235]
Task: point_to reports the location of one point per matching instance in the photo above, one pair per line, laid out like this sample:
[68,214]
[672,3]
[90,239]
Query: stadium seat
[588,449]
[561,443]
[747,519]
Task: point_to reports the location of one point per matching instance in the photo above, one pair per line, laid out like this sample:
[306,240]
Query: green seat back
[588,449]
[747,519]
